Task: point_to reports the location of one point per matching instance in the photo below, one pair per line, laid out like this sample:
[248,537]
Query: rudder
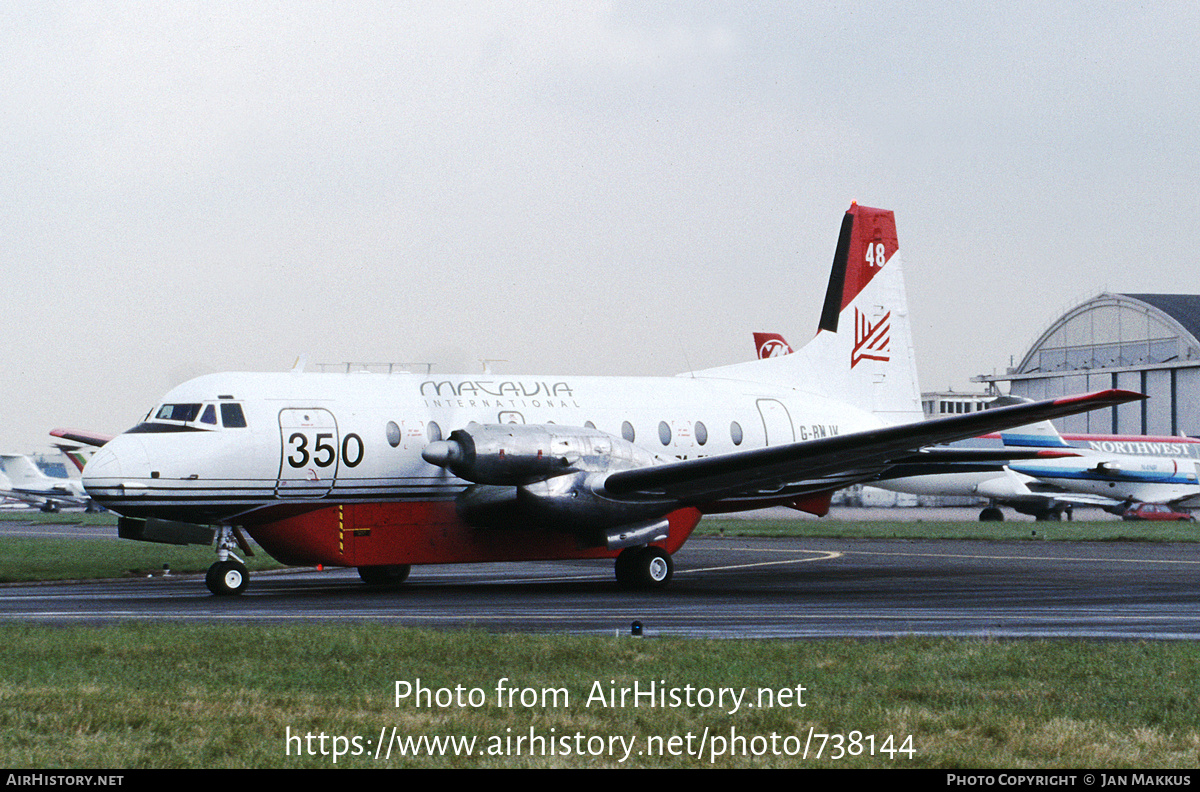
[862,352]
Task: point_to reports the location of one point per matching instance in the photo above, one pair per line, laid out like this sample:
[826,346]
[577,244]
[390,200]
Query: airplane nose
[103,464]
[123,456]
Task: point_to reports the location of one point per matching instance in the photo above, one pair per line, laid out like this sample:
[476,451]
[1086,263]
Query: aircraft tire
[227,578]
[991,514]
[644,568]
[656,568]
[392,575]
[623,567]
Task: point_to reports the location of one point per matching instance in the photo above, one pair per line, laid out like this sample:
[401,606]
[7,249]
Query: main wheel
[384,575]
[644,568]
[657,568]
[227,578]
[991,514]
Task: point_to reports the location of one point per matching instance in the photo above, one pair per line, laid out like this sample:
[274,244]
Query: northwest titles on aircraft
[1142,448]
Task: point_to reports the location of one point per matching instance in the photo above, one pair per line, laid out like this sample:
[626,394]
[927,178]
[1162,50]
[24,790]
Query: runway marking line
[968,555]
[820,555]
[1030,558]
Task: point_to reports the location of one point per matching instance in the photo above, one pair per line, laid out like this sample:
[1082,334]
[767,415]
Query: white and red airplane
[382,471]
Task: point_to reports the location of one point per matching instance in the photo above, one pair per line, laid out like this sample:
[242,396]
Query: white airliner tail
[21,472]
[1040,435]
[863,350]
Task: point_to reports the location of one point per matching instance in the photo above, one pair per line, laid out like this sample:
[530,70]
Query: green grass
[90,556]
[30,559]
[227,695]
[60,518]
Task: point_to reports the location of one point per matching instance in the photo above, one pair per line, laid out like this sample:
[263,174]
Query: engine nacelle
[550,477]
[519,454]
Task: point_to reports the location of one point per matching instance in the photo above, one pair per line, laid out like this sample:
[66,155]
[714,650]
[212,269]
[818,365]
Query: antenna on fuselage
[298,366]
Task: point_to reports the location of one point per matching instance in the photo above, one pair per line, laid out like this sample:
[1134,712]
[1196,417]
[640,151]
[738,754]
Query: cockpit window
[209,416]
[177,412]
[232,417]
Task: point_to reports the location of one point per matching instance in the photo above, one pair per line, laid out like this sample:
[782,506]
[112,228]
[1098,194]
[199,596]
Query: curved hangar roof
[1118,331]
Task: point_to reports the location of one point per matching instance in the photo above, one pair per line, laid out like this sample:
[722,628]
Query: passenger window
[232,417]
[209,416]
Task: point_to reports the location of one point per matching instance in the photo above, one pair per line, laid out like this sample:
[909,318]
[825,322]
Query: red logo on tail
[771,345]
[871,340]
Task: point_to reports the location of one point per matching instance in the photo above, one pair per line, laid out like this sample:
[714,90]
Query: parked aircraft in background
[24,481]
[1123,478]
[1157,470]
[383,471]
[771,345]
[75,454]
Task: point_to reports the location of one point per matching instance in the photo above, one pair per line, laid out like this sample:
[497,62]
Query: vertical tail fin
[72,452]
[1039,435]
[863,351]
[21,471]
[771,345]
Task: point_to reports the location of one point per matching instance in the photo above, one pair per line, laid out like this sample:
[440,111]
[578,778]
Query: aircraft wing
[948,455]
[82,436]
[832,461]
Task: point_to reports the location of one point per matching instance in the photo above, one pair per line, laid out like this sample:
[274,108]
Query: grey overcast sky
[570,187]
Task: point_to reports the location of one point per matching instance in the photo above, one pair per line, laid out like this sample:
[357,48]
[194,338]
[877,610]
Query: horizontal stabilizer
[82,436]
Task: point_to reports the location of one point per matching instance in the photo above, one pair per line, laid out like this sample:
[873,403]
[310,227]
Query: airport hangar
[1143,342]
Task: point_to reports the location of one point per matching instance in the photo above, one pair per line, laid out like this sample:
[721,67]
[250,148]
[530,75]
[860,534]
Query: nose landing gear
[228,577]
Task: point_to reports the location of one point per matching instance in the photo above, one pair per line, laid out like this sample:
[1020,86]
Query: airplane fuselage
[317,450]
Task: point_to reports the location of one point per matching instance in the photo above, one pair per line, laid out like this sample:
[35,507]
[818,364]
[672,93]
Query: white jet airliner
[1120,477]
[382,471]
[1112,472]
[24,481]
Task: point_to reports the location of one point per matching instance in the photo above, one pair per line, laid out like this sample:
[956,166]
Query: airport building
[1148,343]
[936,404]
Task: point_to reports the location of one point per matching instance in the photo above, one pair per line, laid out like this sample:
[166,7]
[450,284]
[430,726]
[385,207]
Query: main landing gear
[392,575]
[228,576]
[644,568]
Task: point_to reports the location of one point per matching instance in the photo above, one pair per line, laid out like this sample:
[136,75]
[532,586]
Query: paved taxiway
[728,588]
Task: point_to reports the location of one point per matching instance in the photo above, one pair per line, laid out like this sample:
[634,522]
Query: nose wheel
[227,578]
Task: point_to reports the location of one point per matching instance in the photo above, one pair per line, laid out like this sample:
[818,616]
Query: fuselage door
[308,462]
[777,422]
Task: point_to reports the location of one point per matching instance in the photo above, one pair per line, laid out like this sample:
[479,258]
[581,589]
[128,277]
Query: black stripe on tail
[837,278]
